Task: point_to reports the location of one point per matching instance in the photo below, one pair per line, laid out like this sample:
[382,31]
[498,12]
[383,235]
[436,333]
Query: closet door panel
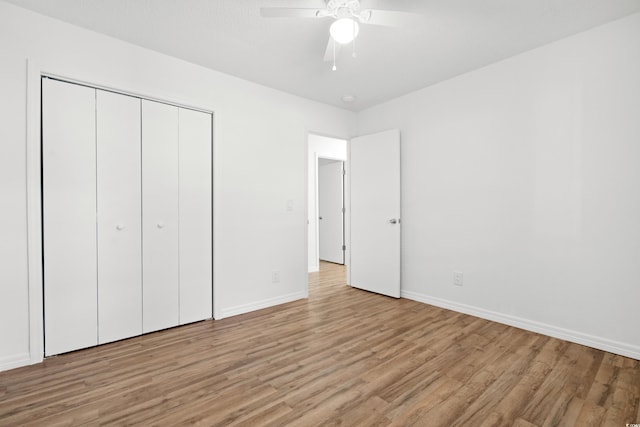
[159,216]
[195,216]
[69,216]
[119,216]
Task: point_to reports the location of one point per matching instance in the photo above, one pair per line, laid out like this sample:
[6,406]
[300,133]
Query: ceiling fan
[347,15]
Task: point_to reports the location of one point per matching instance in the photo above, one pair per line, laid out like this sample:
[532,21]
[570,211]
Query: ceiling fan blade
[328,53]
[288,12]
[389,18]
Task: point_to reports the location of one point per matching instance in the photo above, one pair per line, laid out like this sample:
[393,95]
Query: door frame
[311,190]
[35,71]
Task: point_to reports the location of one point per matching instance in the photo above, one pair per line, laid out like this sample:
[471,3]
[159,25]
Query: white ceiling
[451,37]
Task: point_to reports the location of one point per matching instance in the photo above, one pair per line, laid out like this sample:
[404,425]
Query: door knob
[119,227]
[393,221]
[160,225]
[319,217]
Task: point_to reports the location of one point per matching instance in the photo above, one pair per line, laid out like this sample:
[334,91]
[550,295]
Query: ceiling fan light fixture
[344,30]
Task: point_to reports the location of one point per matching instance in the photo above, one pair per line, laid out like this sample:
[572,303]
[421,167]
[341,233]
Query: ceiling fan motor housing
[344,8]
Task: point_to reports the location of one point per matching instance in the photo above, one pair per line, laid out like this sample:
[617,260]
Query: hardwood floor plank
[369,413]
[559,379]
[523,423]
[508,371]
[416,412]
[343,357]
[263,415]
[591,415]
[565,412]
[449,410]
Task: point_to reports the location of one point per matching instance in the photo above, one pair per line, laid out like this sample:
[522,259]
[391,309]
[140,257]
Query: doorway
[372,222]
[329,150]
[331,210]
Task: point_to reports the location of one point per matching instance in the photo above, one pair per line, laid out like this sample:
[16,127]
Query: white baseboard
[600,343]
[313,268]
[258,305]
[15,361]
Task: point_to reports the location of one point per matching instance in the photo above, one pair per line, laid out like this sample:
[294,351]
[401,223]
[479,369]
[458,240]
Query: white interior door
[69,216]
[330,204]
[195,216]
[160,271]
[119,216]
[374,182]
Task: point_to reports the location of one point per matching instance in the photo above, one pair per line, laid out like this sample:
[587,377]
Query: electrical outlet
[458,279]
[275,276]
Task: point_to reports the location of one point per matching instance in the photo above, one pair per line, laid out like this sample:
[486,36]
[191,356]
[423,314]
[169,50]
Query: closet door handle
[160,225]
[119,227]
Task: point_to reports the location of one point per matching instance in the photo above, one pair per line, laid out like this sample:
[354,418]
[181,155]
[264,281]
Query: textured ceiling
[449,37]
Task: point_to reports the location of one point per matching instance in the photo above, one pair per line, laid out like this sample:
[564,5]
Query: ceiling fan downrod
[342,9]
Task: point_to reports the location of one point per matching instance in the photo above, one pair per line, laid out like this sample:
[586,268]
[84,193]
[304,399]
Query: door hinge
[343,211]
[344,247]
[344,172]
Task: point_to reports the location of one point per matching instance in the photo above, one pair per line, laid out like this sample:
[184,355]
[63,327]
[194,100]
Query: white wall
[328,148]
[525,176]
[260,152]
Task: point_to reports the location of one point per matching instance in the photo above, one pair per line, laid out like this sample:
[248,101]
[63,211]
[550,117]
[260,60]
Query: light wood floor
[342,357]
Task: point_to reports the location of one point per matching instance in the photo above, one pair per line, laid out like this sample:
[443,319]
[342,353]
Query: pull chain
[334,55]
[353,54]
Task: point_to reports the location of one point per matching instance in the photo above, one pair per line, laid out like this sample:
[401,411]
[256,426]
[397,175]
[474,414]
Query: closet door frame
[36,70]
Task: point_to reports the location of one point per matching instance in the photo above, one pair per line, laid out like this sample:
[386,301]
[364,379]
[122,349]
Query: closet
[126,215]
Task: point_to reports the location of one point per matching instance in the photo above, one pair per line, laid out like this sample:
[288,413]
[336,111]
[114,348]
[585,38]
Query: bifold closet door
[195,216]
[160,270]
[69,216]
[119,216]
